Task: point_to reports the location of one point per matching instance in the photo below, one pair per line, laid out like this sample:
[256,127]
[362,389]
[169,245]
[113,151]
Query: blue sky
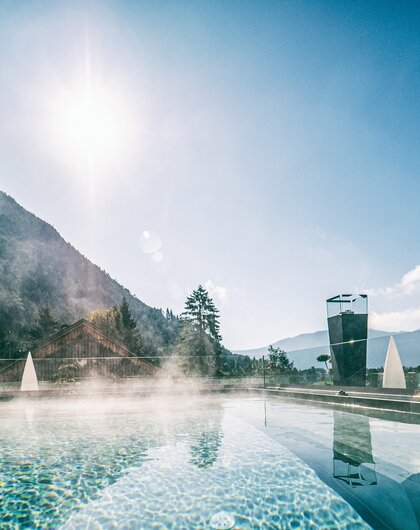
[266,149]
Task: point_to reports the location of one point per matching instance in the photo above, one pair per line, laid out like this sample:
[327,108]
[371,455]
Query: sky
[268,150]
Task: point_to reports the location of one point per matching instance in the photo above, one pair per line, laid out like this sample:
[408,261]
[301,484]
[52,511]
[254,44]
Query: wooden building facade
[81,351]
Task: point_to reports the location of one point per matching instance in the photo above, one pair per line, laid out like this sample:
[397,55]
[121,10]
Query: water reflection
[349,453]
[412,489]
[352,450]
[55,456]
[204,445]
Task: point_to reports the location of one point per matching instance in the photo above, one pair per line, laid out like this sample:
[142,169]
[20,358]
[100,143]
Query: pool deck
[394,404]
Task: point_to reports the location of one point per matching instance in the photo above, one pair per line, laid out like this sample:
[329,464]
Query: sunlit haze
[266,150]
[88,125]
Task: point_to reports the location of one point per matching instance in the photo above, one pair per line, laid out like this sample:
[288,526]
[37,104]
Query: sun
[89,125]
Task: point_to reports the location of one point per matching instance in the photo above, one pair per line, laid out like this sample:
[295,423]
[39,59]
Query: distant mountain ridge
[38,267]
[305,348]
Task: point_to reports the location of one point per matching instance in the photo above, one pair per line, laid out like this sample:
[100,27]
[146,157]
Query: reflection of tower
[411,487]
[347,328]
[353,460]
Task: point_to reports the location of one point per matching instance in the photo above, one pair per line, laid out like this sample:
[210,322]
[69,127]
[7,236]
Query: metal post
[265,413]
[263,360]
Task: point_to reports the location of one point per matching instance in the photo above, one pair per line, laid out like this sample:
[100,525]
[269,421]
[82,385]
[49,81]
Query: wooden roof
[62,338]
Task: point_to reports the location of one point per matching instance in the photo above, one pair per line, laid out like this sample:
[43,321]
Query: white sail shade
[393,371]
[29,378]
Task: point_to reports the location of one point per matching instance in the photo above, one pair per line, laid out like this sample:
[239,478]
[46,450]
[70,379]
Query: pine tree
[4,344]
[200,341]
[127,321]
[129,330]
[201,311]
[45,326]
[170,315]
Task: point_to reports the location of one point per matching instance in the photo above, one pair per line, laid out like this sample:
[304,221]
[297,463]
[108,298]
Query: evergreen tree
[45,326]
[201,311]
[197,351]
[200,341]
[170,315]
[127,321]
[4,344]
[129,330]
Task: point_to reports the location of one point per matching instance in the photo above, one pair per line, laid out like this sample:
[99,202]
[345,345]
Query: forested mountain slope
[38,268]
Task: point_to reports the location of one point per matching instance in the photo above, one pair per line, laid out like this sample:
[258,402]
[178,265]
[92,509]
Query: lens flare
[157,257]
[150,243]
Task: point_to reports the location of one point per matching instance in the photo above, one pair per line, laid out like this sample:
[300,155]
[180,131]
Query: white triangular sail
[393,371]
[29,378]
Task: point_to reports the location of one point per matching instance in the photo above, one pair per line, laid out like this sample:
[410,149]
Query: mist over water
[174,460]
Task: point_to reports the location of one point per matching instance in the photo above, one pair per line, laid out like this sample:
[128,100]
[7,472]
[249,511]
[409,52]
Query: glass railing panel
[310,367]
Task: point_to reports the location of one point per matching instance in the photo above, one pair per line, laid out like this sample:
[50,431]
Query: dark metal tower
[347,316]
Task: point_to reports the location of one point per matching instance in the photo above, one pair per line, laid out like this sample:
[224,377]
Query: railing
[128,372]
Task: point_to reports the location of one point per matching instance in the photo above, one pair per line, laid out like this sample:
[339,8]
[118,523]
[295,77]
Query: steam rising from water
[108,462]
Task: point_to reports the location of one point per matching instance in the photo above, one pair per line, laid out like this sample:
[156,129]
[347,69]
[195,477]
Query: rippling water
[154,464]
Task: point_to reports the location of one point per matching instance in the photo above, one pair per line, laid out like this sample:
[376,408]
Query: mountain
[304,349]
[37,268]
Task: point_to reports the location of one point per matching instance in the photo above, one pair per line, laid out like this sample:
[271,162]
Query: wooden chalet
[82,350]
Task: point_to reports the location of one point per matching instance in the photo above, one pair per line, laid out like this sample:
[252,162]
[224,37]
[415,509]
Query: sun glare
[89,126]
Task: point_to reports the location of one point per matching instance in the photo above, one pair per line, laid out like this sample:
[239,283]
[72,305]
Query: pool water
[176,463]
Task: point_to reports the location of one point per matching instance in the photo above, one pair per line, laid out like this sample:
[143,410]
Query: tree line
[195,343]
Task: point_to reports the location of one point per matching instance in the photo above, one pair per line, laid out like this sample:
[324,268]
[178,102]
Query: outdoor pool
[140,463]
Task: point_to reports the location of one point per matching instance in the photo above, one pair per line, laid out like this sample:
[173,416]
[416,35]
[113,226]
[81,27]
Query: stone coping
[382,405]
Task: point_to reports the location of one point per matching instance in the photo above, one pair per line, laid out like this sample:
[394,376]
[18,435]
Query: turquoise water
[132,464]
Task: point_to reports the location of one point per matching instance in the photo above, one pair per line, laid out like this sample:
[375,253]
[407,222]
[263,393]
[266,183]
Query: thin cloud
[217,291]
[404,320]
[408,284]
